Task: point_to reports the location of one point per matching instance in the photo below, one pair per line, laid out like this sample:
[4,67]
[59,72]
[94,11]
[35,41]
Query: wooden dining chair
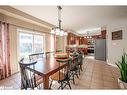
[29,79]
[63,75]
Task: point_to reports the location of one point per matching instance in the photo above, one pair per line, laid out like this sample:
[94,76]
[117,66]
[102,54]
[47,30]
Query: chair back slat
[28,79]
[49,54]
[80,58]
[36,56]
[64,72]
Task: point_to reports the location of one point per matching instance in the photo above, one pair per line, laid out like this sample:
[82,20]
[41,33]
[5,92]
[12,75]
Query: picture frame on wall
[117,35]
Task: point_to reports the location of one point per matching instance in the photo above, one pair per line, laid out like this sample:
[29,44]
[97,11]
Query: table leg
[46,82]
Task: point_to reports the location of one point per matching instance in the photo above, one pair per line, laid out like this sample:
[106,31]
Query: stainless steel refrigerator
[100,49]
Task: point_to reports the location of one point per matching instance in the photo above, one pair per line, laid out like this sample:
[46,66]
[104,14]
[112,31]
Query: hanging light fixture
[58,30]
[88,35]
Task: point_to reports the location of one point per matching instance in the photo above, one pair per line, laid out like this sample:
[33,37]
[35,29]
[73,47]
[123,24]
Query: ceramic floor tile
[96,81]
[110,84]
[96,86]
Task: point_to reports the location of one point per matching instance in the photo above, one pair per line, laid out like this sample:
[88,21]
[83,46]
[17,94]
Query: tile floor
[95,75]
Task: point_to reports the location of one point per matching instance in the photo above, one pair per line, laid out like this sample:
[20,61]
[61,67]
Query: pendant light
[57,30]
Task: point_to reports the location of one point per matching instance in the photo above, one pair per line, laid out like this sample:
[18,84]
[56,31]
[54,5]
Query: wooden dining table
[46,67]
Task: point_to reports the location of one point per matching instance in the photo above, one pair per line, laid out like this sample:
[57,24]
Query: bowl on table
[61,55]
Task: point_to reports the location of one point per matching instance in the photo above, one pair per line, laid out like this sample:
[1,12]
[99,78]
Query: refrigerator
[100,49]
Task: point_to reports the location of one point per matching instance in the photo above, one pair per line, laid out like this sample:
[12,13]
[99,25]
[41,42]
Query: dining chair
[29,79]
[74,70]
[49,54]
[58,50]
[63,75]
[77,64]
[0,72]
[80,61]
[36,56]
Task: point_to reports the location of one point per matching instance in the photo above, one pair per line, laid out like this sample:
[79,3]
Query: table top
[47,66]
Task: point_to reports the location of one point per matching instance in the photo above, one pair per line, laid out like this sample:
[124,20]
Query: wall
[115,47]
[47,42]
[64,43]
[61,43]
[13,49]
[13,37]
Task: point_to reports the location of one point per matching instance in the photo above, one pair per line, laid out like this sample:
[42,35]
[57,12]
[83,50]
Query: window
[30,43]
[26,43]
[38,43]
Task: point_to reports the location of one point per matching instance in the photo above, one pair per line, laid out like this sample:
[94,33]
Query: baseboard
[114,65]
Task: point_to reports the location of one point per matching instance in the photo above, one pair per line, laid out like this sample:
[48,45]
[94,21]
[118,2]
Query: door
[100,49]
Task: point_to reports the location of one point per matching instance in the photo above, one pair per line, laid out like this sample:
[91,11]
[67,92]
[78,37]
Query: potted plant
[122,65]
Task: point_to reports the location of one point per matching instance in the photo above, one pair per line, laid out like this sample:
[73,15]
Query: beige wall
[47,42]
[64,43]
[13,37]
[115,47]
[61,43]
[13,49]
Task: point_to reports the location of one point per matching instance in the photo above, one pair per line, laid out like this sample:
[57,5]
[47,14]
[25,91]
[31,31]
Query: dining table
[46,67]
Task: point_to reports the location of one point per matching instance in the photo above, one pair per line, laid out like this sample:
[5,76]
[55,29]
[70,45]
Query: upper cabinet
[73,39]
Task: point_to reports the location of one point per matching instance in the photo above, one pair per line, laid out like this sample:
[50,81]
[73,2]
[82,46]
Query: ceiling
[77,18]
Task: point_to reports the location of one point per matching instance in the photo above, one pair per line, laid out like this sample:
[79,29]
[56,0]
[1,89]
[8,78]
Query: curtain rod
[24,27]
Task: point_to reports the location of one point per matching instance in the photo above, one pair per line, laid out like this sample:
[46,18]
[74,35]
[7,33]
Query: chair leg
[73,79]
[77,74]
[38,87]
[61,85]
[50,84]
[79,71]
[81,67]
[69,84]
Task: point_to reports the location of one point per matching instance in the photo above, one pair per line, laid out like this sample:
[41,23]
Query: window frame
[28,32]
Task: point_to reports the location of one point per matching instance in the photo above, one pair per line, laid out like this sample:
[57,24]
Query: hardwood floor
[95,75]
